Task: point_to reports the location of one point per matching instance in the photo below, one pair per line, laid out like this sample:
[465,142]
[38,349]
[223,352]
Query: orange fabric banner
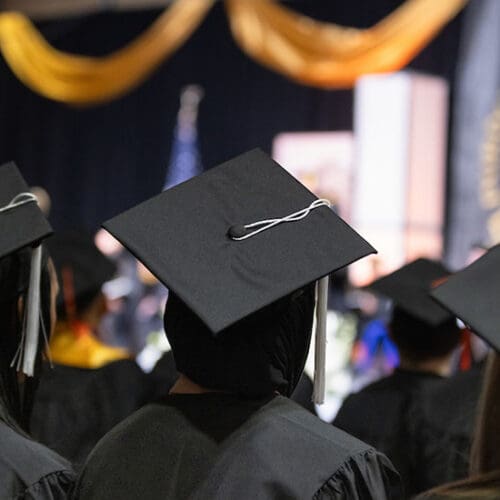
[332,56]
[307,51]
[87,80]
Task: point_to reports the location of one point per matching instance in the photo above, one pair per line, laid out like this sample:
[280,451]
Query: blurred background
[389,108]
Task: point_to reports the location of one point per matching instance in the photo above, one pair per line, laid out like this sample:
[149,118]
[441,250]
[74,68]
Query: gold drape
[84,80]
[307,51]
[328,55]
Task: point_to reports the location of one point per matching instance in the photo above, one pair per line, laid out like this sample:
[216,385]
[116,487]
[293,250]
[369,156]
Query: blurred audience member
[28,470]
[441,427]
[473,294]
[91,386]
[227,428]
[426,336]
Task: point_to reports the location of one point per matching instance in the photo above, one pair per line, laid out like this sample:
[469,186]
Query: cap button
[236,231]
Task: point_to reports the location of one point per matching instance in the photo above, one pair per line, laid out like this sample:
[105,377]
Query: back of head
[417,340]
[260,354]
[82,270]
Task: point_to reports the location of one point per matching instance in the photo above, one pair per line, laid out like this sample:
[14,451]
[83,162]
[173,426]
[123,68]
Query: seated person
[28,289]
[441,427]
[89,387]
[426,336]
[239,320]
[473,294]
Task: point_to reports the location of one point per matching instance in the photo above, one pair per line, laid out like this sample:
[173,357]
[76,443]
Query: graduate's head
[421,328]
[473,295]
[27,295]
[240,248]
[418,340]
[15,272]
[82,270]
[258,355]
[14,285]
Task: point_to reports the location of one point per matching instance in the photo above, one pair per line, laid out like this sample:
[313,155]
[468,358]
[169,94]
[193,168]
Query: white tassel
[32,314]
[320,341]
[46,341]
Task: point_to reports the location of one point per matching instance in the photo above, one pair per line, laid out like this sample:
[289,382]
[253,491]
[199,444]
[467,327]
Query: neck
[438,366]
[184,385]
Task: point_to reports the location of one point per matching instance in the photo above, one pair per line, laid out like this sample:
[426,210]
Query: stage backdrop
[474,209]
[98,161]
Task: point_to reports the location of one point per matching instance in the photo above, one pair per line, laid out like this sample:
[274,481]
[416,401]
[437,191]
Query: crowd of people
[228,413]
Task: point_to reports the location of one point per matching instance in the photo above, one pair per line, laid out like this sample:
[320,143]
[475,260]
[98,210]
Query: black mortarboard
[409,286]
[75,252]
[473,295]
[22,223]
[185,237]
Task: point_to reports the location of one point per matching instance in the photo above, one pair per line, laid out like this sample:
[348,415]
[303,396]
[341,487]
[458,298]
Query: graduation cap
[473,295]
[237,238]
[409,287]
[81,267]
[23,225]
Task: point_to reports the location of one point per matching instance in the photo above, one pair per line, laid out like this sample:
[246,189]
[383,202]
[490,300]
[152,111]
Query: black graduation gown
[379,414]
[219,447]
[441,428]
[29,470]
[75,407]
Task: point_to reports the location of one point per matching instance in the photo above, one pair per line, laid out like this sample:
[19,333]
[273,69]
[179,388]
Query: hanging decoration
[307,51]
[75,79]
[332,56]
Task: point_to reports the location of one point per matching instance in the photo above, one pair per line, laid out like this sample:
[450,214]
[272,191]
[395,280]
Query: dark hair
[418,341]
[16,404]
[485,450]
[262,353]
[484,486]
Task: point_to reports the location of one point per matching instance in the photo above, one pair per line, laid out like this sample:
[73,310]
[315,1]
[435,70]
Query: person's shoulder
[343,460]
[456,388]
[137,422]
[146,427]
[19,450]
[399,382]
[286,446]
[361,399]
[128,455]
[26,463]
[438,402]
[369,475]
[386,383]
[291,419]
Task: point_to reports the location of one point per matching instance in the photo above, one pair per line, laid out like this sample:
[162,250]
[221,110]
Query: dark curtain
[98,161]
